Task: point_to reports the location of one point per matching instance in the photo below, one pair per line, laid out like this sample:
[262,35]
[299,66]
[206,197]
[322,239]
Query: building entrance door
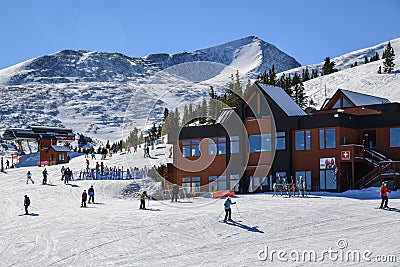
[369,138]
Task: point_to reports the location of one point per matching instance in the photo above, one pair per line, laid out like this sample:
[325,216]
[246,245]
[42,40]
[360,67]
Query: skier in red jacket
[384,190]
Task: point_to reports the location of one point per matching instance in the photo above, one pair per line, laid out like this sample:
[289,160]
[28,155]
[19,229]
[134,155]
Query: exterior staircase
[383,168]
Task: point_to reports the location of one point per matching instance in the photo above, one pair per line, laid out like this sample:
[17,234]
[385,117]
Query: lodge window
[280,141]
[191,184]
[190,148]
[234,182]
[302,176]
[234,144]
[217,146]
[216,183]
[341,103]
[394,137]
[302,140]
[327,138]
[327,179]
[259,142]
[61,157]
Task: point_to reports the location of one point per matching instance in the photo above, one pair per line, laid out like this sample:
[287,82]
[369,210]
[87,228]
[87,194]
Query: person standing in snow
[175,192]
[62,173]
[227,207]
[143,197]
[27,203]
[44,176]
[29,177]
[84,198]
[383,191]
[91,194]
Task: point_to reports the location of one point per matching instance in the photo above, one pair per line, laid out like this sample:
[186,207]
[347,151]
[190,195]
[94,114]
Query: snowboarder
[175,192]
[91,194]
[84,198]
[93,155]
[228,211]
[143,200]
[148,151]
[27,202]
[29,177]
[383,191]
[44,176]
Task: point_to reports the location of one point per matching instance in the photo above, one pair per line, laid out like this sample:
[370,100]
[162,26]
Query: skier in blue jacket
[227,206]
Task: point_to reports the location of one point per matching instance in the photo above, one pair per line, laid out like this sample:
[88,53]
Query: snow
[115,233]
[362,78]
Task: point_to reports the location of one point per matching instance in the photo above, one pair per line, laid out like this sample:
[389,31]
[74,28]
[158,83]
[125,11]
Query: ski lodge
[47,138]
[352,142]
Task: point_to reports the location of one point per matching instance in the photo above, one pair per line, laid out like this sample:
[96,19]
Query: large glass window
[328,179]
[259,142]
[394,137]
[234,144]
[186,185]
[221,182]
[212,184]
[346,103]
[217,146]
[301,175]
[327,138]
[234,182]
[195,184]
[302,140]
[195,148]
[221,146]
[190,148]
[280,141]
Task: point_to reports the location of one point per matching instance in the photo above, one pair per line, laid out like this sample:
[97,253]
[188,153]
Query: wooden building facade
[352,142]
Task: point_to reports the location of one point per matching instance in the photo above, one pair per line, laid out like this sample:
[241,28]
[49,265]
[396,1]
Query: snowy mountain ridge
[87,66]
[363,78]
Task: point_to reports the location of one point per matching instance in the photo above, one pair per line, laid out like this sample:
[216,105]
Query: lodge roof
[282,99]
[60,148]
[360,99]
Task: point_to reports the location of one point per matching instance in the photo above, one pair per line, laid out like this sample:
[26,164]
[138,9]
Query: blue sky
[306,30]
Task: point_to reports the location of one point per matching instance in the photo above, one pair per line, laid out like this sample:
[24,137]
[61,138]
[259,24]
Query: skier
[228,211]
[148,152]
[175,192]
[44,176]
[27,202]
[383,191]
[91,194]
[29,177]
[7,164]
[93,155]
[170,152]
[143,201]
[84,198]
[87,164]
[62,173]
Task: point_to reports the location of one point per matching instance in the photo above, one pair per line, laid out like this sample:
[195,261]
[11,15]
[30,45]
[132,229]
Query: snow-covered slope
[114,232]
[362,78]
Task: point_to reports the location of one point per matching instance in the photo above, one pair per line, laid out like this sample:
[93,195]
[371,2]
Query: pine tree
[388,63]
[329,67]
[186,117]
[306,74]
[298,94]
[380,70]
[272,75]
[166,113]
[366,60]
